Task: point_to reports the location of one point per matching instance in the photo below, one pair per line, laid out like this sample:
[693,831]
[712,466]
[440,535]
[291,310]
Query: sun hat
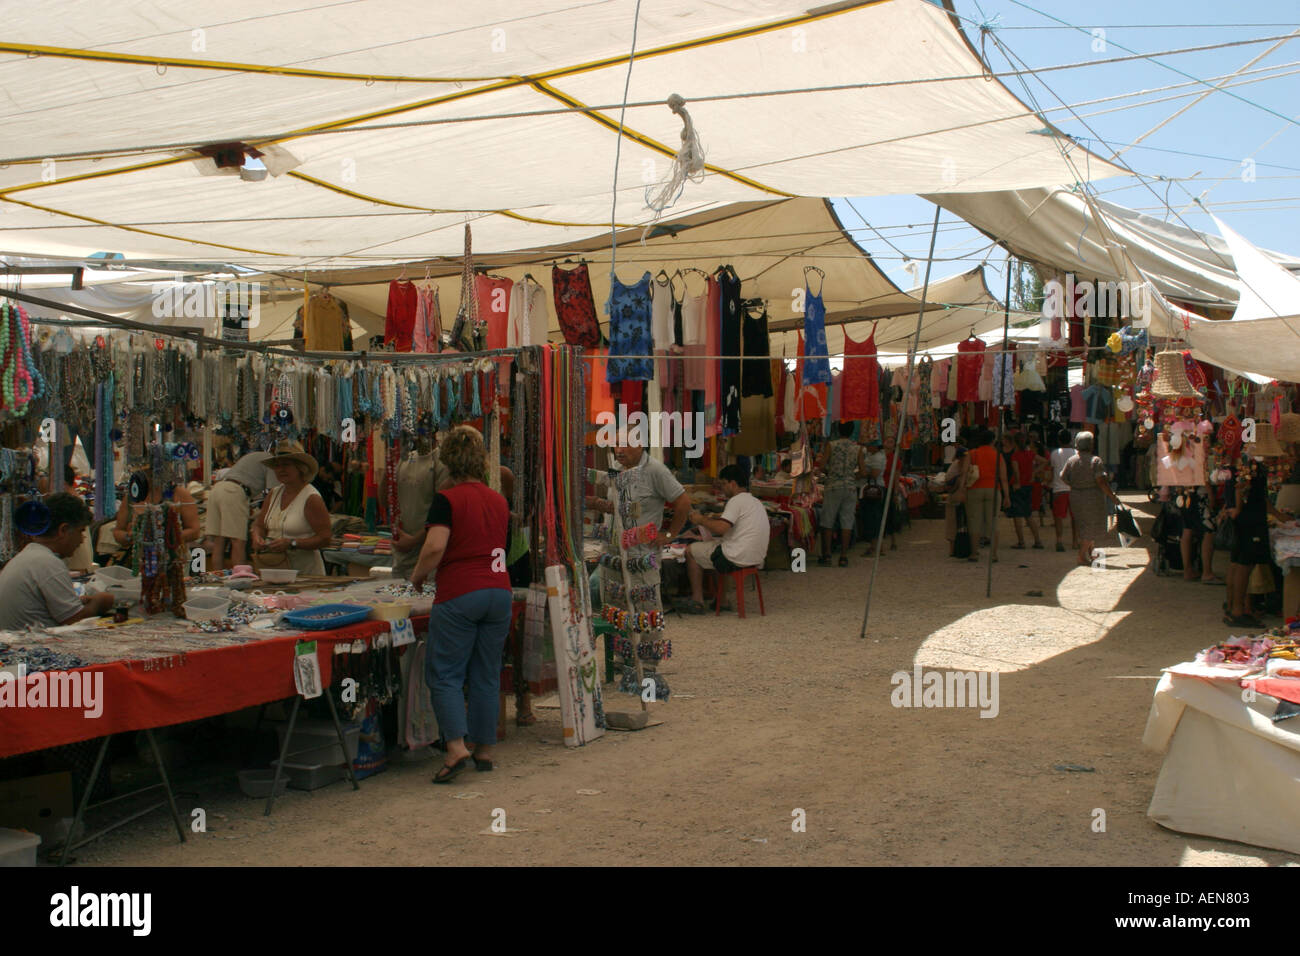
[196,489]
[292,451]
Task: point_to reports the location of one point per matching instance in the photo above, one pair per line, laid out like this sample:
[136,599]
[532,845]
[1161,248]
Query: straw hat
[1289,429]
[291,451]
[1170,380]
[1266,445]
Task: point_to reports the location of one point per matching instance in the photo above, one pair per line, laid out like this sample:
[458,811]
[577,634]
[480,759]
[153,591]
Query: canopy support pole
[1002,418]
[898,431]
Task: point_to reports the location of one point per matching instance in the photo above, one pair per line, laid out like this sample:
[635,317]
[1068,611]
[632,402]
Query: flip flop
[526,720]
[844,562]
[449,772]
[482,766]
[1219,581]
[1017,547]
[1038,546]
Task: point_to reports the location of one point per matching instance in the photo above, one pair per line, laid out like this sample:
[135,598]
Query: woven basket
[1266,444]
[1170,380]
[1289,429]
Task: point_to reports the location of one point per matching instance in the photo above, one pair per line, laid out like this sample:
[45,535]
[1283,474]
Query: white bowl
[206,608]
[278,575]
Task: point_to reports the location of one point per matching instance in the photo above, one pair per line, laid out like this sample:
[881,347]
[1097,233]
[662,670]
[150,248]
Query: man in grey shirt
[650,487]
[228,508]
[35,586]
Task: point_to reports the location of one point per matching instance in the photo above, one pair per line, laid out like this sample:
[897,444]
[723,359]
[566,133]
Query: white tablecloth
[1230,771]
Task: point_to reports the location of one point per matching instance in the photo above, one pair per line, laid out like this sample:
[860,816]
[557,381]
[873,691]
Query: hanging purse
[1225,535]
[1124,523]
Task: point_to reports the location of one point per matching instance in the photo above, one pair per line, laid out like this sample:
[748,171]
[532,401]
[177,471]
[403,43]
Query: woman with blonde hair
[466,546]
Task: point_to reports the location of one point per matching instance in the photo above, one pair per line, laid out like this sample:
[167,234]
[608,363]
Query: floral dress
[629,309]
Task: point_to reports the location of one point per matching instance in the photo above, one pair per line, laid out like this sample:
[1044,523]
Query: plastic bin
[318,738]
[257,783]
[311,776]
[18,848]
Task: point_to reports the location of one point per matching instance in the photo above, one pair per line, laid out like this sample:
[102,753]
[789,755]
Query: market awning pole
[997,394]
[898,431]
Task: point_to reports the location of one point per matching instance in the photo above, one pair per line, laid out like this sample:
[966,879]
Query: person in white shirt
[35,587]
[744,529]
[1060,457]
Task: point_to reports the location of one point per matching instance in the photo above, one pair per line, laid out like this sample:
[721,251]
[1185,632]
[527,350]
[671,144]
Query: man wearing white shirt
[1060,457]
[744,529]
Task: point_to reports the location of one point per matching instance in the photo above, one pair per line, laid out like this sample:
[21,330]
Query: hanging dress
[629,330]
[427,335]
[661,322]
[811,404]
[695,341]
[817,370]
[861,379]
[713,331]
[574,307]
[730,323]
[970,365]
[399,320]
[493,295]
[527,319]
[756,369]
[323,324]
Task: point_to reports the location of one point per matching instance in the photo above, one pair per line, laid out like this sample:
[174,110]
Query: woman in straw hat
[1249,514]
[293,521]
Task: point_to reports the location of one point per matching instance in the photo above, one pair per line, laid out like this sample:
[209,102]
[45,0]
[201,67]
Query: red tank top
[860,381]
[480,520]
[970,362]
[985,457]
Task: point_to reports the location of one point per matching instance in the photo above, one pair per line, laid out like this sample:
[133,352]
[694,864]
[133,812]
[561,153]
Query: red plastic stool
[738,577]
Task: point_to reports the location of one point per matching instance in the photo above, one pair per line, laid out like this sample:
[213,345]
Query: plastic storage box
[312,776]
[314,741]
[18,848]
[257,783]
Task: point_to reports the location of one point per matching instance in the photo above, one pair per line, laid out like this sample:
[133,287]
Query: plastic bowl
[278,575]
[207,608]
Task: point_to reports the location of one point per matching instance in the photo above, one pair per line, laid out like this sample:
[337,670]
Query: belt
[248,491]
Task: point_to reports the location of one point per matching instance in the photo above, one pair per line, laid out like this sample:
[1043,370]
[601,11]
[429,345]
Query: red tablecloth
[137,695]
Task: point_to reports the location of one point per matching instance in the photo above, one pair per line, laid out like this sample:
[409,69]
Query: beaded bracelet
[644,534]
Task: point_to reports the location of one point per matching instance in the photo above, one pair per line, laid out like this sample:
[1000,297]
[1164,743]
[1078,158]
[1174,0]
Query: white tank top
[292,523]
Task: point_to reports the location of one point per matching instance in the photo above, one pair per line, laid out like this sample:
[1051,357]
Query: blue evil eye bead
[168,493]
[285,415]
[115,434]
[32,518]
[266,419]
[166,427]
[194,452]
[138,488]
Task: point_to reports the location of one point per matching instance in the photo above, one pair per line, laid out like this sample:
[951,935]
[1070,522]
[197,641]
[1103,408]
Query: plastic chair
[738,577]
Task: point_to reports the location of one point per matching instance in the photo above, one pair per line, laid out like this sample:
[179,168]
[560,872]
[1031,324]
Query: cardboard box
[41,804]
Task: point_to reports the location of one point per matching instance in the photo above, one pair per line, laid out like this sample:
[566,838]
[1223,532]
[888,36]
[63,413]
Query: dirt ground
[792,711]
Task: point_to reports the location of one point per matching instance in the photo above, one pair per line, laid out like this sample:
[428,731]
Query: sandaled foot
[1212,581]
[1038,546]
[526,720]
[824,561]
[1018,547]
[692,607]
[844,561]
[482,766]
[1060,547]
[449,771]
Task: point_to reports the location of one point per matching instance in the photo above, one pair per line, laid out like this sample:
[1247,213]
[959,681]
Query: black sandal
[482,766]
[449,771]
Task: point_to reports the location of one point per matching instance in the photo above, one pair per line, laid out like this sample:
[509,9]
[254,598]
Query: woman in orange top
[982,498]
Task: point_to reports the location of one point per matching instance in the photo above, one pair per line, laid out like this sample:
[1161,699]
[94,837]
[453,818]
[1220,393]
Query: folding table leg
[284,754]
[167,787]
[85,800]
[338,728]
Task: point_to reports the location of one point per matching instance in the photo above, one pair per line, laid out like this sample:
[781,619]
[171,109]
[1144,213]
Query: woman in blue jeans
[466,541]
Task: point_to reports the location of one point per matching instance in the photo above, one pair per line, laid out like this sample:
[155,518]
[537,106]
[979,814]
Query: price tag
[402,632]
[306,670]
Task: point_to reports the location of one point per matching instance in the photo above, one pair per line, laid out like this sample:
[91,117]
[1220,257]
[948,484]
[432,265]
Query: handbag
[270,559]
[1125,524]
[973,475]
[961,540]
[1225,535]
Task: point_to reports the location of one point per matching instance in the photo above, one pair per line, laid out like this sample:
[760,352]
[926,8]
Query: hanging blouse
[970,363]
[939,382]
[574,307]
[599,397]
[986,378]
[861,379]
[661,315]
[493,295]
[527,319]
[399,320]
[629,330]
[324,325]
[427,334]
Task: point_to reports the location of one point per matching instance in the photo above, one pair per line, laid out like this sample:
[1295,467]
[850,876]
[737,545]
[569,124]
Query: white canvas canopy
[386,123]
[1057,228]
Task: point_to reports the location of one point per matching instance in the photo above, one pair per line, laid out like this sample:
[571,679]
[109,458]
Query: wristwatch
[293,544]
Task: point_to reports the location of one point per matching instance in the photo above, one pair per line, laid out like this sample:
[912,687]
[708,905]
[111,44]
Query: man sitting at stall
[744,528]
[35,586]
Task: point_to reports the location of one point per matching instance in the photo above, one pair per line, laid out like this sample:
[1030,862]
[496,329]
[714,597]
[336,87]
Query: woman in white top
[1059,458]
[294,520]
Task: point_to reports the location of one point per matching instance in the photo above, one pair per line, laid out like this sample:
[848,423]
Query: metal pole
[898,431]
[997,392]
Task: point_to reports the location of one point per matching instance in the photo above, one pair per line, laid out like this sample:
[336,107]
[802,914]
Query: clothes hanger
[808,269]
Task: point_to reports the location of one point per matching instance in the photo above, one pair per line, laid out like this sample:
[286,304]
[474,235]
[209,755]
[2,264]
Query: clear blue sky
[1200,153]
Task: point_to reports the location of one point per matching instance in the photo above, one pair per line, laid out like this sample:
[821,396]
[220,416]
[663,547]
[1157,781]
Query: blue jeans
[466,638]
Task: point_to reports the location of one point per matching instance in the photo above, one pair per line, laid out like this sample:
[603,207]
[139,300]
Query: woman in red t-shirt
[1026,491]
[468,525]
